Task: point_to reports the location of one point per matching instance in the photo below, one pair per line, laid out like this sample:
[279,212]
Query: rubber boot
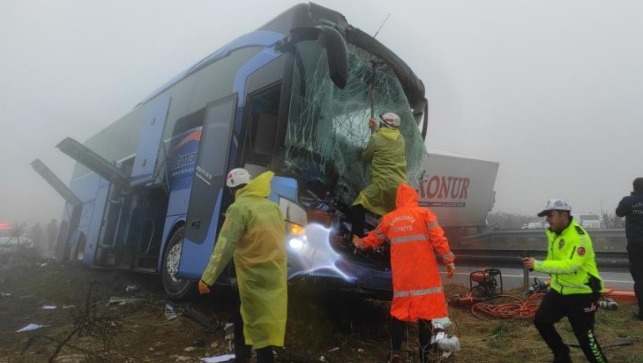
[566,359]
[396,357]
[429,353]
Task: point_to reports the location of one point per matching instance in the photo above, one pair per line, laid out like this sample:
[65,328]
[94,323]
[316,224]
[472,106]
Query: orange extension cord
[519,309]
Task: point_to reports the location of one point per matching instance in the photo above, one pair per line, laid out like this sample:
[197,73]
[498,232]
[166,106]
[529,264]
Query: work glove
[528,263]
[203,288]
[357,242]
[372,124]
[450,270]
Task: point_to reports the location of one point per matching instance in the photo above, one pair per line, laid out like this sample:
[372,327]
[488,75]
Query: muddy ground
[117,316]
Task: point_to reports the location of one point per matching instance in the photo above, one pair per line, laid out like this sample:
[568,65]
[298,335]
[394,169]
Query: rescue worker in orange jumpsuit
[414,234]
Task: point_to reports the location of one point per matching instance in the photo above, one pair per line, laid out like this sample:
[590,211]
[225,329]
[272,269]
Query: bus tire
[175,287]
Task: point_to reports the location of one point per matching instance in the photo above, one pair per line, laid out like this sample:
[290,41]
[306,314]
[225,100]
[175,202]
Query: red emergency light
[4,226]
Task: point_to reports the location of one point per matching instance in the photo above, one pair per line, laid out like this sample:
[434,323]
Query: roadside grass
[352,330]
[339,328]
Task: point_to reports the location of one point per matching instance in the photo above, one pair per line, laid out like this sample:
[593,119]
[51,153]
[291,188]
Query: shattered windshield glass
[328,127]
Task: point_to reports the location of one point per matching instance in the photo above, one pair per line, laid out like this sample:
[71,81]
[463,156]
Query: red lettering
[456,187]
[463,191]
[445,187]
[433,186]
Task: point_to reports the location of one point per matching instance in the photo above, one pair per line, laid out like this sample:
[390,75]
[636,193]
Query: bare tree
[611,220]
[509,220]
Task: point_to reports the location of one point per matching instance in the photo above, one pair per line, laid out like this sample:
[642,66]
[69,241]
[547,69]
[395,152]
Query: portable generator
[483,285]
[487,283]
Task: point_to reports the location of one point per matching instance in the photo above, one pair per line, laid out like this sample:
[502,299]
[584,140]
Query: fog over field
[549,89]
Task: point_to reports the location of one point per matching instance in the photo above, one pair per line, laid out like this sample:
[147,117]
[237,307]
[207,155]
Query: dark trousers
[358,220]
[242,351]
[580,310]
[636,269]
[425,330]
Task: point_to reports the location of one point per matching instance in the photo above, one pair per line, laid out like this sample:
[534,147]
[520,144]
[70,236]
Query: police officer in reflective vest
[575,284]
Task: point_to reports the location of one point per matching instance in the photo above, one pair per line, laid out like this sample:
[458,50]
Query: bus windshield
[327,126]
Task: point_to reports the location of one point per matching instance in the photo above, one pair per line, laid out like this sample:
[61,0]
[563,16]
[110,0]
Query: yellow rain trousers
[254,235]
[386,155]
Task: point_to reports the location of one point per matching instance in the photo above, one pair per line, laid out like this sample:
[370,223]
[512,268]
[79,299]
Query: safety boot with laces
[242,360]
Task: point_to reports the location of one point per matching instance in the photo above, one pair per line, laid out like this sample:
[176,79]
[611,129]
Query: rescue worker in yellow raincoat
[415,237]
[253,234]
[385,154]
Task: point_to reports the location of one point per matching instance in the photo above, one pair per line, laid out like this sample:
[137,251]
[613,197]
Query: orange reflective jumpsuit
[414,235]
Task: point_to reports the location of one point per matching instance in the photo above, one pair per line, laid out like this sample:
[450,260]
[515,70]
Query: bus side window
[262,129]
[265,134]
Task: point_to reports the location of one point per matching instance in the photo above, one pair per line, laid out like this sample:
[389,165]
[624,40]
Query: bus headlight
[296,243]
[296,237]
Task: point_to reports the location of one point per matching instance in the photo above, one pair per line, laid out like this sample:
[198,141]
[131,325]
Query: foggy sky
[549,89]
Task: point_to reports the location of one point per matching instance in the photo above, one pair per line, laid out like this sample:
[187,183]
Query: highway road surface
[513,278]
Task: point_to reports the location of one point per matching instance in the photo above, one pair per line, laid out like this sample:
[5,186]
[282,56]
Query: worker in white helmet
[385,154]
[253,235]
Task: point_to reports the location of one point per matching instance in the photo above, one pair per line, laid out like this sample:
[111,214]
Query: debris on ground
[30,327]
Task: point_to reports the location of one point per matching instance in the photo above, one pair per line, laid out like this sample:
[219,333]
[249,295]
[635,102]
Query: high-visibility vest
[571,261]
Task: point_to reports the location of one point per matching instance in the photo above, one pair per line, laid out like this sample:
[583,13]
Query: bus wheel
[175,287]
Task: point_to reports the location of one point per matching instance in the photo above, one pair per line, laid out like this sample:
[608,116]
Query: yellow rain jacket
[386,154]
[254,234]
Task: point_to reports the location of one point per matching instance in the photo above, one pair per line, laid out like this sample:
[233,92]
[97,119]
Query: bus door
[254,151]
[204,208]
[264,116]
[150,141]
[112,247]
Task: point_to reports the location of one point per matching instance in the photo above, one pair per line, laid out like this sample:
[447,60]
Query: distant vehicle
[293,96]
[13,236]
[590,221]
[535,225]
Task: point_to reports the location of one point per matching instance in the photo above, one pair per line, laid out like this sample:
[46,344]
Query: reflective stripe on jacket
[571,261]
[254,233]
[414,235]
[386,156]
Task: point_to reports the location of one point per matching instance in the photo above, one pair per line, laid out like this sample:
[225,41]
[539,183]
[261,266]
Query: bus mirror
[421,115]
[336,49]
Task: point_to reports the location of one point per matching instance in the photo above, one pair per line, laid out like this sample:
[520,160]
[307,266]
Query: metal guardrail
[505,247]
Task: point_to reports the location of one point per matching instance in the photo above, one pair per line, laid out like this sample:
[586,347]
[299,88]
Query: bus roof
[310,14]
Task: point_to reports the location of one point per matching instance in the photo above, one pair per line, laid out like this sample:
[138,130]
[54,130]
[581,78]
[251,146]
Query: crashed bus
[294,96]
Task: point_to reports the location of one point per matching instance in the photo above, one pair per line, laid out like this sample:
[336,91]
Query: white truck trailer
[459,190]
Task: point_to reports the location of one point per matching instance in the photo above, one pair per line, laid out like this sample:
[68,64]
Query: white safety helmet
[237,177]
[555,204]
[390,119]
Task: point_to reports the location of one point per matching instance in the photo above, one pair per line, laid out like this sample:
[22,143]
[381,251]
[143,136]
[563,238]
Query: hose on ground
[517,309]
